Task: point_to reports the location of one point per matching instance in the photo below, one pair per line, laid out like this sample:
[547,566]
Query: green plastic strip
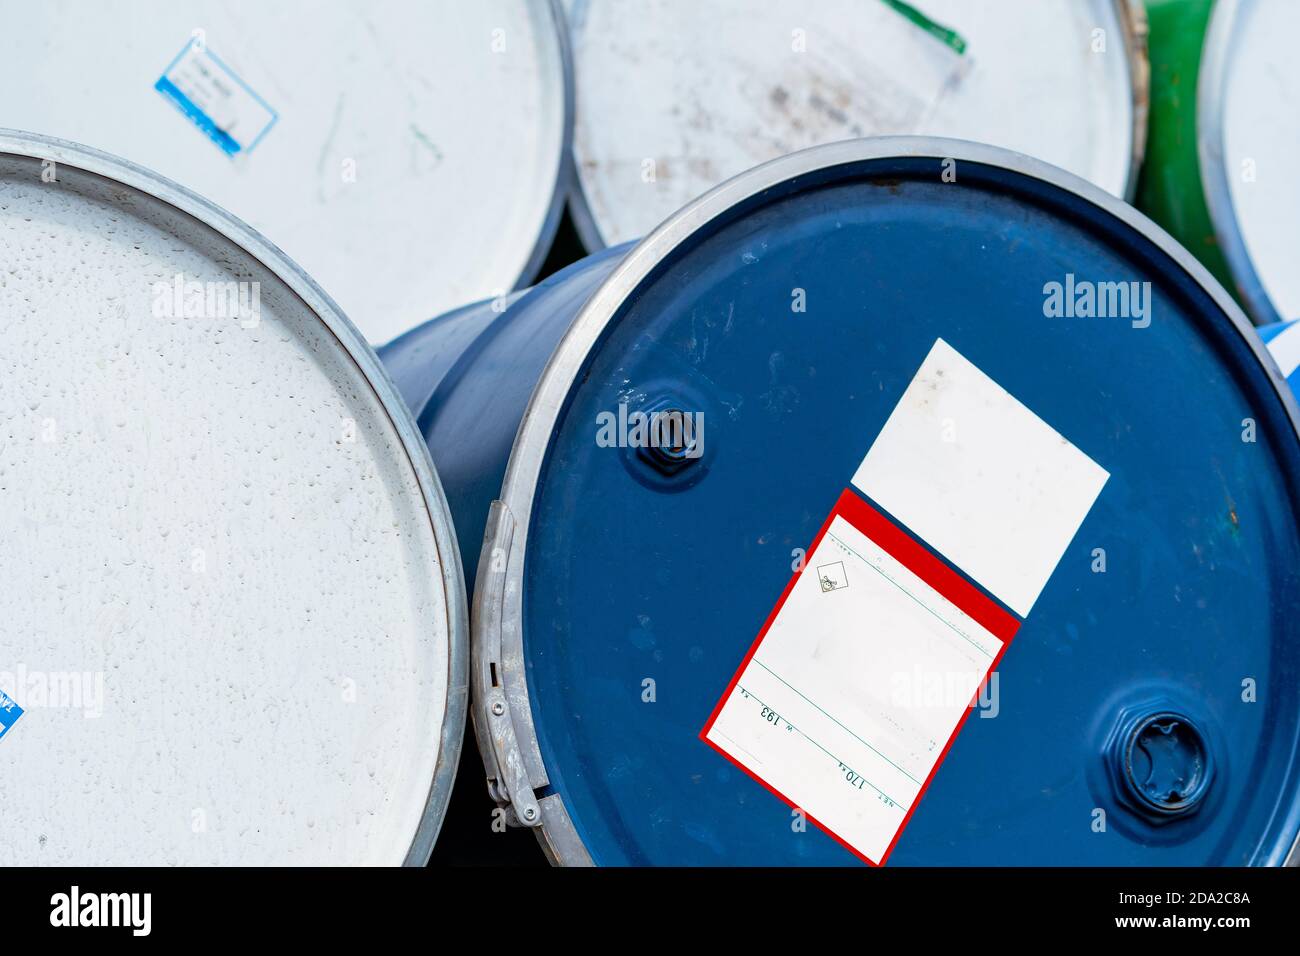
[940,32]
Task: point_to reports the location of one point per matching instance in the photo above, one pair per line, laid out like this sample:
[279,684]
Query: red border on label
[912,555]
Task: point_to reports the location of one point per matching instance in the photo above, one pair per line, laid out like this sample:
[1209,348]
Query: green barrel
[1170,189]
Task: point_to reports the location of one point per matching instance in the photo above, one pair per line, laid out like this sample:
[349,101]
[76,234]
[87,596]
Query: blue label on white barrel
[1283,340]
[9,713]
[216,100]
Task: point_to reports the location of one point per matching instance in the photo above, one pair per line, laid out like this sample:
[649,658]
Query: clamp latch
[493,703]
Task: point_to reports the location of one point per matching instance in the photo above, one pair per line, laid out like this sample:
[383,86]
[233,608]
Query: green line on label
[823,712]
[750,693]
[939,617]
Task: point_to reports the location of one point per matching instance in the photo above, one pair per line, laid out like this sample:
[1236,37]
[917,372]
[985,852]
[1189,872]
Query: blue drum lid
[1177,663]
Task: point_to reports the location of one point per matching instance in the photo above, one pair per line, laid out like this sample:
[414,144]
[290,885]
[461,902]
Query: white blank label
[979,477]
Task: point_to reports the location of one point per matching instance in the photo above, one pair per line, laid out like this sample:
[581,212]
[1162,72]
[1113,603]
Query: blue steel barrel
[1283,340]
[483,361]
[1147,711]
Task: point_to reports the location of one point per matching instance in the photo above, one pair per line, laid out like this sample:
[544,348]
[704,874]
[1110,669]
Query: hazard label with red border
[879,648]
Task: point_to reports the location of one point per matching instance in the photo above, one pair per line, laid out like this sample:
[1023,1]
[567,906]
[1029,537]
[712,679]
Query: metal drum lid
[791,307]
[406,154]
[1248,131]
[233,608]
[673,96]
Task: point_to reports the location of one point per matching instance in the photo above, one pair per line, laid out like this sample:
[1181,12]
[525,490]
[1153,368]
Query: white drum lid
[415,162]
[228,589]
[692,93]
[1248,126]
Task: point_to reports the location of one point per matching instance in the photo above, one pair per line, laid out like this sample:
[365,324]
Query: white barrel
[675,96]
[406,153]
[1248,132]
[234,616]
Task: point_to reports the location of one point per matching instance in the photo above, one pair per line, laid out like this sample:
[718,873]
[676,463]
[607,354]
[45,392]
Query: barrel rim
[1216,57]
[556,831]
[565,174]
[1137,27]
[1131,16]
[36,146]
